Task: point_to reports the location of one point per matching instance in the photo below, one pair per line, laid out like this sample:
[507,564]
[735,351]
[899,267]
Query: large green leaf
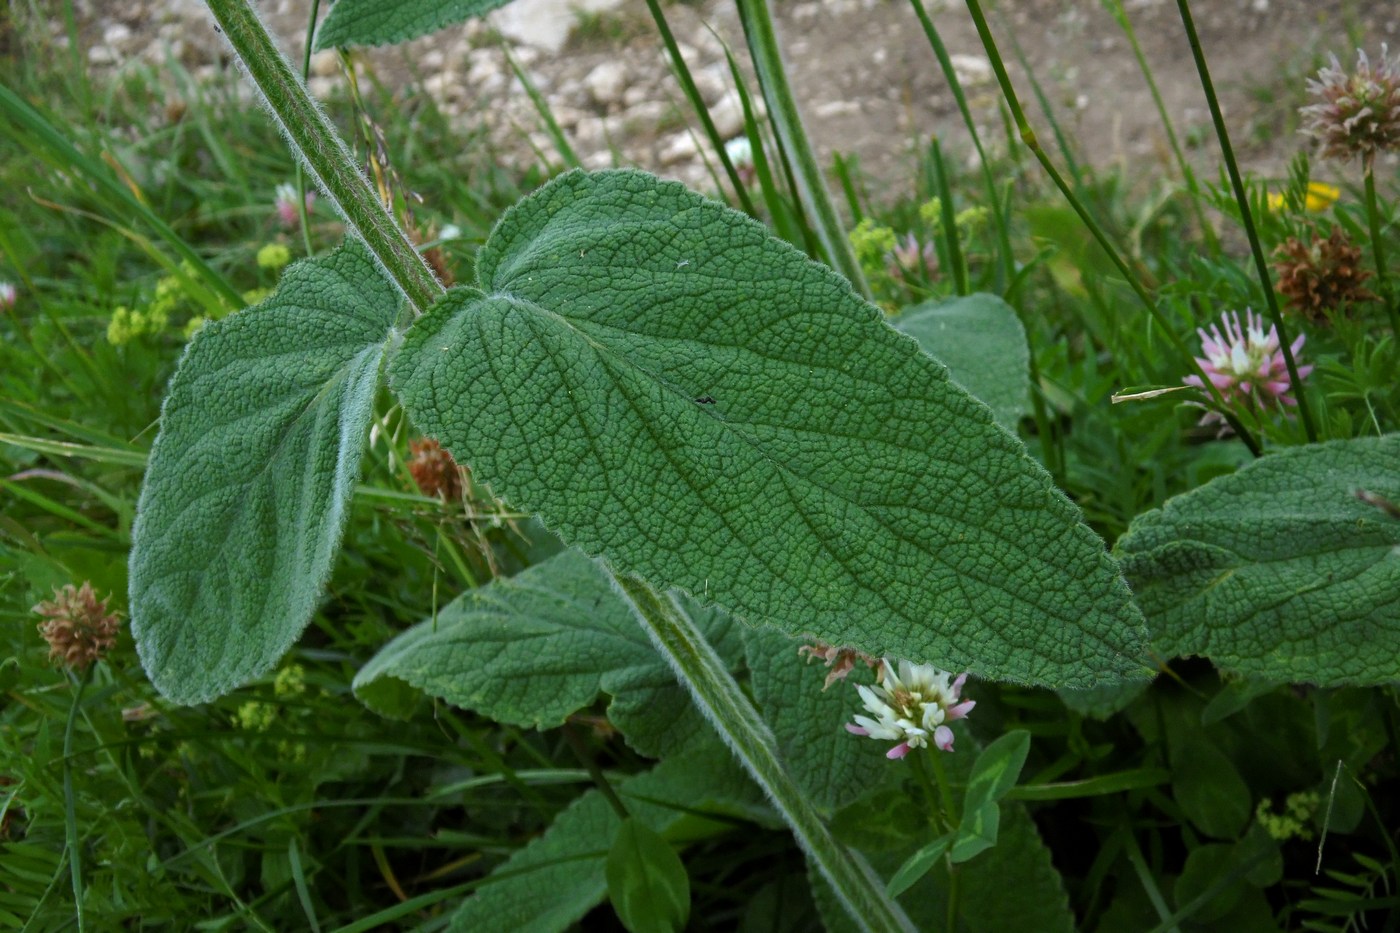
[250,477]
[560,875]
[673,388]
[534,648]
[981,341]
[381,22]
[1280,570]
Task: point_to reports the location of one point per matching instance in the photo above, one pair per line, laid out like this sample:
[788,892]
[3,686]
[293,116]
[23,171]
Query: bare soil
[866,79]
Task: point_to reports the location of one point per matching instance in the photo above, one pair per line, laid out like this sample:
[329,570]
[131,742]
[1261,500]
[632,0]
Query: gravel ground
[866,79]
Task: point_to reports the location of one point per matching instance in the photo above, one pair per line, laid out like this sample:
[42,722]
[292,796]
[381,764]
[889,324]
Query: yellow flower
[1319,197]
[274,256]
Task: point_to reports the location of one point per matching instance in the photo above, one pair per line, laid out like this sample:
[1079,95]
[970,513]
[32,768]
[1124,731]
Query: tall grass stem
[1256,248]
[302,217]
[1373,220]
[1188,174]
[787,121]
[692,93]
[70,814]
[1028,137]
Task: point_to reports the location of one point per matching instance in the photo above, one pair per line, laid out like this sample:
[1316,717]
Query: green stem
[600,780]
[940,818]
[782,110]
[1373,220]
[730,711]
[1188,176]
[949,219]
[316,143]
[1261,264]
[1028,137]
[301,174]
[951,814]
[70,814]
[692,93]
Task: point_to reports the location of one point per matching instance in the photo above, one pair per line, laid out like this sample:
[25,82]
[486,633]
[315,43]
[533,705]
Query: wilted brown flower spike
[77,626]
[839,660]
[1356,114]
[434,470]
[1320,275]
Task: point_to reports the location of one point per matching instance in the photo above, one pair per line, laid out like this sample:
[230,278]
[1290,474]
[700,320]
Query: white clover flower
[911,707]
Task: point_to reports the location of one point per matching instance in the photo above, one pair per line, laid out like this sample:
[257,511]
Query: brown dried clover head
[1319,275]
[77,626]
[434,470]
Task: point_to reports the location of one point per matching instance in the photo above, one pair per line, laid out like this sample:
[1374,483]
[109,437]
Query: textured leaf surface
[532,649]
[560,876]
[245,495]
[981,341]
[673,388]
[1280,570]
[381,22]
[832,766]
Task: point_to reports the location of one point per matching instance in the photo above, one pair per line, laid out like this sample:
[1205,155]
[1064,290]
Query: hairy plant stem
[1373,221]
[319,147]
[1028,137]
[726,706]
[714,690]
[787,122]
[1261,264]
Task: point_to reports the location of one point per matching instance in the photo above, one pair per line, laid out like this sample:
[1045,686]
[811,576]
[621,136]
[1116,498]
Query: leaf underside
[981,341]
[382,22]
[671,387]
[1281,570]
[249,480]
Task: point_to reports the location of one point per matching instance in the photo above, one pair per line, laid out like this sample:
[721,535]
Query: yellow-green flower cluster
[127,324]
[931,211]
[871,242]
[274,256]
[1293,822]
[256,716]
[260,716]
[290,681]
[972,220]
